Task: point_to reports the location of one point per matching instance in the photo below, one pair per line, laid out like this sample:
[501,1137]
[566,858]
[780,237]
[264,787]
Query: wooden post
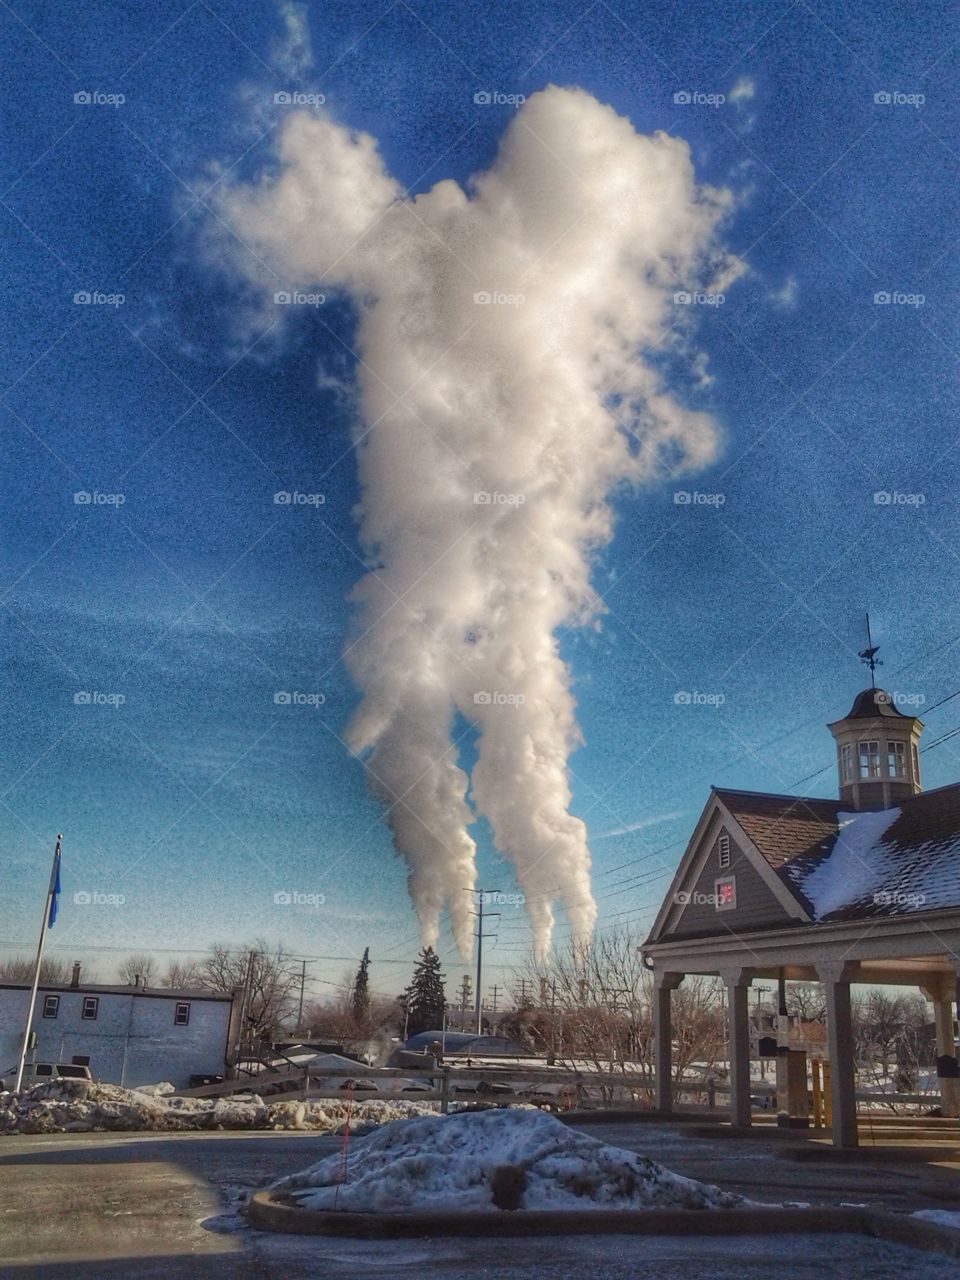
[817,1097]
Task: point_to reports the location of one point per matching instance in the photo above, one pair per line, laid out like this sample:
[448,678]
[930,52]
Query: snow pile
[76,1106]
[446,1162]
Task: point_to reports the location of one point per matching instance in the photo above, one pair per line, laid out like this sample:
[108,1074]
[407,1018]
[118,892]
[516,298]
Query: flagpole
[54,872]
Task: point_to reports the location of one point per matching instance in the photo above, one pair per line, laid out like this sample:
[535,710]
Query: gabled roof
[843,865]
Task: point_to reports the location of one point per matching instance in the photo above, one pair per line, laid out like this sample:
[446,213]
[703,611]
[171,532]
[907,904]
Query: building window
[51,1006]
[870,759]
[723,851]
[846,762]
[896,760]
[90,1006]
[181,1015]
[916,764]
[725,893]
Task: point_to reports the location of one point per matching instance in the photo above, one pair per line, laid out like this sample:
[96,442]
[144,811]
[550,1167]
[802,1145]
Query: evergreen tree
[361,990]
[425,999]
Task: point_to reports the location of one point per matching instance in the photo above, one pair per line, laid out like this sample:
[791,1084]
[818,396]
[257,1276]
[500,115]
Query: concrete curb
[268,1214]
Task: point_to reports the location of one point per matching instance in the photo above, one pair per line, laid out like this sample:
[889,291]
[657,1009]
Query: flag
[54,889]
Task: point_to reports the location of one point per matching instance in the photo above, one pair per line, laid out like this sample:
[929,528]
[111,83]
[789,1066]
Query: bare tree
[184,975]
[20,969]
[265,974]
[141,966]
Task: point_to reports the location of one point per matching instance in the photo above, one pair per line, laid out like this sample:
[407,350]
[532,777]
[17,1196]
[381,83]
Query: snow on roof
[852,870]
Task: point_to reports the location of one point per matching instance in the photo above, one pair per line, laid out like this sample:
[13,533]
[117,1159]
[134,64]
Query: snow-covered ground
[446,1162]
[76,1106]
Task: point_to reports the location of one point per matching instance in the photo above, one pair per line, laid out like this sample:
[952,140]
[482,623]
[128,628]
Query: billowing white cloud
[292,54]
[505,389]
[743,90]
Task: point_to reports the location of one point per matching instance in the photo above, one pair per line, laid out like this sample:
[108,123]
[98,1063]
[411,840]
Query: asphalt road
[103,1206]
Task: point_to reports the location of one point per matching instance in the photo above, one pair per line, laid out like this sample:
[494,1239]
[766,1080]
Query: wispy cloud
[655,821]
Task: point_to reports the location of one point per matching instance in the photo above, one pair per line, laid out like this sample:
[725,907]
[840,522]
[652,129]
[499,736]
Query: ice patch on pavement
[942,1217]
[445,1163]
[77,1106]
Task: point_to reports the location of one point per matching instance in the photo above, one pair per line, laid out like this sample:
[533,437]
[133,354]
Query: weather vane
[868,656]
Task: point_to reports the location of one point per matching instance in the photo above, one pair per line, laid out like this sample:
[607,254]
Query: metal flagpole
[49,915]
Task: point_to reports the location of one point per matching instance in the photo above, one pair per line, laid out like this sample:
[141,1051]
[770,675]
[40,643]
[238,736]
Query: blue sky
[194,600]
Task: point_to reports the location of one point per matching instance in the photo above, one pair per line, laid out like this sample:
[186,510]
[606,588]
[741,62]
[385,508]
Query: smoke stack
[75,977]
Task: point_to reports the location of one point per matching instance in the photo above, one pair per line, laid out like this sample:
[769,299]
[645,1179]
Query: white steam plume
[543,405]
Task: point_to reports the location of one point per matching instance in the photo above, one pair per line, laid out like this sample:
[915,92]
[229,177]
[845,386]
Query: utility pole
[523,992]
[496,989]
[303,983]
[480,935]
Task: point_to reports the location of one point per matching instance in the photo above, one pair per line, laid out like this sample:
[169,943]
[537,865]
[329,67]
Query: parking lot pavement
[163,1207]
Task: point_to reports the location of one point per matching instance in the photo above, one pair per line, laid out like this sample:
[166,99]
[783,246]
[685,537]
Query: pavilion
[862,889]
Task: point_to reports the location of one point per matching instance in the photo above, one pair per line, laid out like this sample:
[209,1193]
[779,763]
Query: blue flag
[55,898]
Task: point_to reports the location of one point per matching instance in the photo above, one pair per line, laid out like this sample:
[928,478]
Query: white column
[663,1038]
[843,1100]
[738,986]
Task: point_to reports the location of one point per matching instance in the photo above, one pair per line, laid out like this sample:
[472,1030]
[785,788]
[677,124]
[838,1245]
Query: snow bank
[446,1162]
[76,1106]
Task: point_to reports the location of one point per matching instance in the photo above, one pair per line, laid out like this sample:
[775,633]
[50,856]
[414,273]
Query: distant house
[126,1035]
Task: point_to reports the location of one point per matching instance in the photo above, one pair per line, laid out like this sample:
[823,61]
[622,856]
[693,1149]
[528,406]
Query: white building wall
[133,1040]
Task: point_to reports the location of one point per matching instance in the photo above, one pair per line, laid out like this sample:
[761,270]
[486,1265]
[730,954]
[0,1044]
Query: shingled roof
[843,865]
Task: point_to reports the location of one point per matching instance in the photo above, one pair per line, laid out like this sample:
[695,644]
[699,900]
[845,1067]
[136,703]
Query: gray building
[126,1035]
